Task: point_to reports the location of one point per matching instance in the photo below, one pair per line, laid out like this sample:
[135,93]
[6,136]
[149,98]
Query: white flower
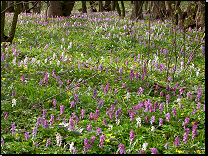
[13,102]
[138,121]
[54,56]
[58,63]
[33,60]
[46,60]
[117,121]
[144,146]
[58,139]
[128,96]
[153,128]
[14,61]
[110,127]
[38,62]
[71,148]
[81,55]
[197,72]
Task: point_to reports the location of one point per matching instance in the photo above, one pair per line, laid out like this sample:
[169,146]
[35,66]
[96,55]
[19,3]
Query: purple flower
[176,142]
[46,124]
[188,94]
[140,151]
[89,128]
[6,115]
[167,117]
[35,144]
[82,113]
[132,137]
[44,113]
[152,119]
[34,131]
[26,136]
[96,115]
[140,91]
[124,84]
[76,98]
[52,118]
[100,104]
[91,116]
[48,142]
[71,124]
[167,98]
[185,137]
[194,111]
[122,149]
[94,93]
[199,105]
[160,121]
[145,119]
[198,95]
[174,112]
[54,102]
[61,109]
[194,131]
[60,84]
[13,93]
[161,107]
[23,79]
[92,139]
[98,131]
[167,145]
[72,104]
[131,116]
[161,93]
[154,150]
[13,128]
[186,121]
[102,138]
[38,121]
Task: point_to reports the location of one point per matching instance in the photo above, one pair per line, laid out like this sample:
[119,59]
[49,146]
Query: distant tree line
[193,14]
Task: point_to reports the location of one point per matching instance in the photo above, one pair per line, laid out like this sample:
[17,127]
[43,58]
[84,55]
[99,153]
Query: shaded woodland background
[185,14]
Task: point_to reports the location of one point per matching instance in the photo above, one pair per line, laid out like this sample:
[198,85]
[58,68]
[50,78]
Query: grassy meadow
[123,88]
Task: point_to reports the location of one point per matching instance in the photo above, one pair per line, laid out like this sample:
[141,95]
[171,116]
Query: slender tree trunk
[84,8]
[14,23]
[3,7]
[123,9]
[100,4]
[112,5]
[180,15]
[117,8]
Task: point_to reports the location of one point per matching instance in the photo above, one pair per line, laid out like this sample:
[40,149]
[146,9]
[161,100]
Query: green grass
[87,47]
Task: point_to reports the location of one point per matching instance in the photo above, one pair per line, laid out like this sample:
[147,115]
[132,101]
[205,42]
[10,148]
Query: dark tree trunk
[14,23]
[107,6]
[200,15]
[3,7]
[123,9]
[60,8]
[112,5]
[137,10]
[100,4]
[117,8]
[84,8]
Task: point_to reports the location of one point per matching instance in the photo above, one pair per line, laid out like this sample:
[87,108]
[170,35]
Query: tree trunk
[100,4]
[158,9]
[117,8]
[137,10]
[169,10]
[84,8]
[14,23]
[200,15]
[3,7]
[123,9]
[112,5]
[107,6]
[180,15]
[92,6]
[60,8]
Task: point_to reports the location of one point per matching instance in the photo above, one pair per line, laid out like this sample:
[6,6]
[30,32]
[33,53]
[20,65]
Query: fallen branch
[66,90]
